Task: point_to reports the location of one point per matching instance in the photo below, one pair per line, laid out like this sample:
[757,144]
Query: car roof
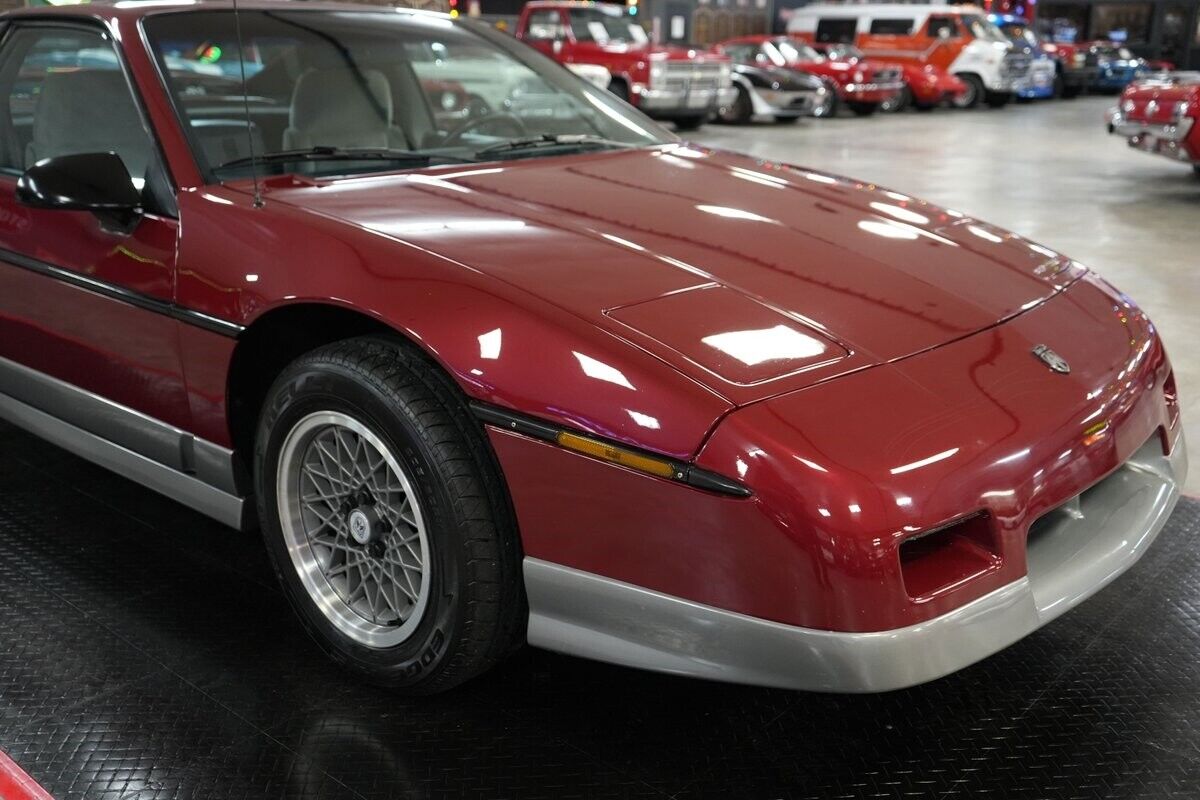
[566,4]
[142,8]
[883,10]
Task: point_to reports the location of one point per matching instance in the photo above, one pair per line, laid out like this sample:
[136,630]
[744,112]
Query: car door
[83,301]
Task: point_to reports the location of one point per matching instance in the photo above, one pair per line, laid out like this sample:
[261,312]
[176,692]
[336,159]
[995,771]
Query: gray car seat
[88,111]
[342,107]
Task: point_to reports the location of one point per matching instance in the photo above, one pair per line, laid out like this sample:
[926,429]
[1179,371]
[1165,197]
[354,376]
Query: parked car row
[860,58]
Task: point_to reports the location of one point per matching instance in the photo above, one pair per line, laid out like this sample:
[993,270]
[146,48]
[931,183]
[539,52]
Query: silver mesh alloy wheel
[353,528]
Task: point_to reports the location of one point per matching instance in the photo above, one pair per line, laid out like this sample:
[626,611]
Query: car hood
[753,278]
[788,80]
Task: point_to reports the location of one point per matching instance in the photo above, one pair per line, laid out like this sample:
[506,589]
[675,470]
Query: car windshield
[1114,52]
[983,29]
[346,92]
[1020,33]
[842,52]
[606,25]
[786,51]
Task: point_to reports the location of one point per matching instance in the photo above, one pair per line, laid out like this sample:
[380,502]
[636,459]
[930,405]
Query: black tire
[974,94]
[1060,86]
[690,123]
[1070,92]
[862,109]
[925,106]
[830,107]
[1196,170]
[998,99]
[475,608]
[899,103]
[620,88]
[739,111]
[787,120]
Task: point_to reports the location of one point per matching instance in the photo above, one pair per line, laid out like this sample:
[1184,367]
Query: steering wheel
[512,122]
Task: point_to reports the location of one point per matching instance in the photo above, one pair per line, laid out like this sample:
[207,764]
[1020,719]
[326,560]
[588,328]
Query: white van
[959,39]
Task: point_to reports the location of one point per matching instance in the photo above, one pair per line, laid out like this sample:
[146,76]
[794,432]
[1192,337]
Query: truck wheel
[974,93]
[690,123]
[863,109]
[739,111]
[998,99]
[385,516]
[620,88]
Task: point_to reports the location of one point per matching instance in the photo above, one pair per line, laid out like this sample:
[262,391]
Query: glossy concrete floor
[147,655]
[146,652]
[1048,171]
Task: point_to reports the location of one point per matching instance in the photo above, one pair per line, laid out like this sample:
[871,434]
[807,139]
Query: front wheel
[739,111]
[384,517]
[899,102]
[863,109]
[974,93]
[827,106]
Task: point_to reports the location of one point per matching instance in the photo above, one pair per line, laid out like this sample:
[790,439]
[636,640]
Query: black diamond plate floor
[147,654]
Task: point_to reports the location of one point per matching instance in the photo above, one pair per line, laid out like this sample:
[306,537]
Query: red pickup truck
[670,83]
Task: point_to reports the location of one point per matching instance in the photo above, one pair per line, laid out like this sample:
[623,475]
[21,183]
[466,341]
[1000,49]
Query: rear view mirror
[96,182]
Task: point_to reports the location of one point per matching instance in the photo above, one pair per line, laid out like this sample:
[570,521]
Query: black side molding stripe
[120,293]
[547,432]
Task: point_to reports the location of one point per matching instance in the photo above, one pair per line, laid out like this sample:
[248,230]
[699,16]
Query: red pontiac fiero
[544,372]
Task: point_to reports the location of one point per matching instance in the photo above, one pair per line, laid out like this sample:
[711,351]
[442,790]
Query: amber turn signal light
[649,464]
[617,455]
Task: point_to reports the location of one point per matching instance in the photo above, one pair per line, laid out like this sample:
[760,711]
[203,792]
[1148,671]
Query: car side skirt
[172,462]
[1084,545]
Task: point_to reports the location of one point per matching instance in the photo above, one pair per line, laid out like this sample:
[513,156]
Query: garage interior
[149,654]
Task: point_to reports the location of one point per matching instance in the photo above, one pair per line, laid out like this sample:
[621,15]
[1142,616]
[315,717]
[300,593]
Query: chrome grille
[1015,65]
[687,77]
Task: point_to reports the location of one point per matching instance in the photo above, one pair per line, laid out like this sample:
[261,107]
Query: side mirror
[96,182]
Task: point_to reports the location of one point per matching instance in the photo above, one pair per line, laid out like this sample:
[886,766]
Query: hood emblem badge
[1052,359]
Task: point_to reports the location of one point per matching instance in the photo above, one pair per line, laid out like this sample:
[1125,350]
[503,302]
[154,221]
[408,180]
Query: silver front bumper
[1073,552]
[861,88]
[772,102]
[685,100]
[1170,132]
[1155,138]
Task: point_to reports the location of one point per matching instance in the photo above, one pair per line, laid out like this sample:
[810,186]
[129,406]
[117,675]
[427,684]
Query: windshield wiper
[548,140]
[328,153]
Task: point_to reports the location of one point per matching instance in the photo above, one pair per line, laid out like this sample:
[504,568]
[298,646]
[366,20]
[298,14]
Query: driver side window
[546,26]
[942,28]
[65,94]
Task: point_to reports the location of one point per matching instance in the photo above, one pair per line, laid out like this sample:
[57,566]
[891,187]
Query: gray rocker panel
[168,460]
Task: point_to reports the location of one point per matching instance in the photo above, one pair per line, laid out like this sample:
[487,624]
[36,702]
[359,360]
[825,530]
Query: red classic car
[552,374]
[861,84]
[926,86]
[679,84]
[1158,115]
